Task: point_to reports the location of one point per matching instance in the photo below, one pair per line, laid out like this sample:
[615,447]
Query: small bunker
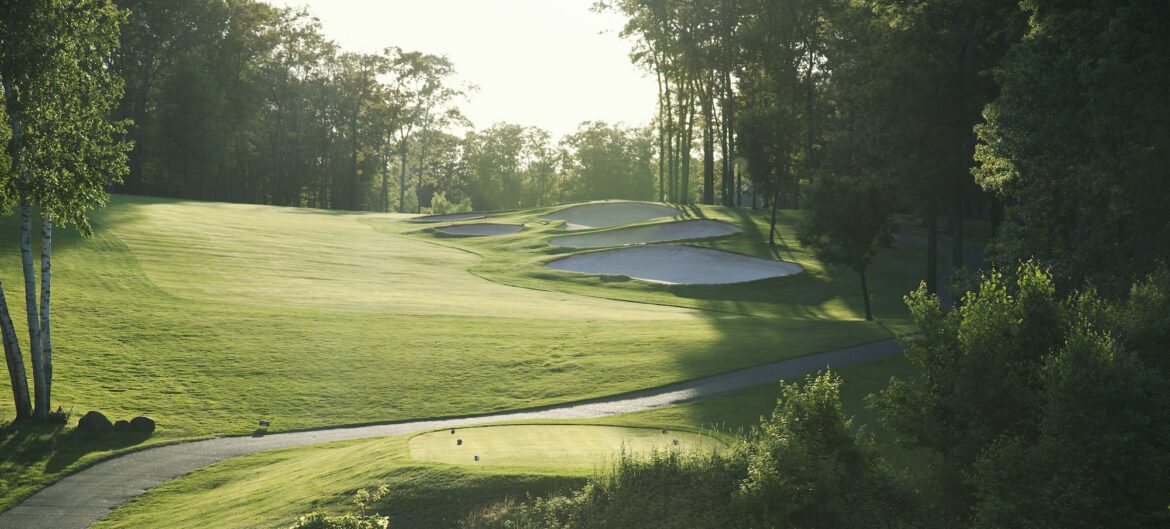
[675,264]
[670,231]
[479,230]
[609,214]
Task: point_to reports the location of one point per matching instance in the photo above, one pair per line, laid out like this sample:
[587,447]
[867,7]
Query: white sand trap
[675,264]
[480,230]
[609,214]
[449,217]
[670,231]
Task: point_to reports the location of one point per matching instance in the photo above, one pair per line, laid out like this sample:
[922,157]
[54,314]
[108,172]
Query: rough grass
[208,317]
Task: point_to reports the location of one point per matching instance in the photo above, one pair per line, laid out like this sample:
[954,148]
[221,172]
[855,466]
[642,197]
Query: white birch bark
[15,361]
[30,299]
[46,342]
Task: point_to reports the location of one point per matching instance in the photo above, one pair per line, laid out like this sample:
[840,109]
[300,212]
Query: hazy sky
[549,63]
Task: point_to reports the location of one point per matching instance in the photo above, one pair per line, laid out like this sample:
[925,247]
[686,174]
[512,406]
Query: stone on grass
[95,422]
[122,426]
[142,424]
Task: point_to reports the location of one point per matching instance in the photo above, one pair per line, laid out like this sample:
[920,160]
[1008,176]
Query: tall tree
[419,87]
[1076,143]
[62,148]
[850,219]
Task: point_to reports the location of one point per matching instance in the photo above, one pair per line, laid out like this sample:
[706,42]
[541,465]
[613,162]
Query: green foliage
[850,220]
[608,161]
[62,148]
[364,500]
[1077,141]
[440,205]
[1038,409]
[346,521]
[807,467]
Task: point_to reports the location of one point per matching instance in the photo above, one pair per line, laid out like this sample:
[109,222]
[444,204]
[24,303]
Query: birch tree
[62,149]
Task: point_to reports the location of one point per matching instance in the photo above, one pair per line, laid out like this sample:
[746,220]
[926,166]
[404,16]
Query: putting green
[560,446]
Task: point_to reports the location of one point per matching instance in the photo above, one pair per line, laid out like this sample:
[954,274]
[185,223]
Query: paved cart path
[79,500]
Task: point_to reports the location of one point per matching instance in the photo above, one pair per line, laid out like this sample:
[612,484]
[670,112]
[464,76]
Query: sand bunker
[675,264]
[670,231]
[479,230]
[609,214]
[449,217]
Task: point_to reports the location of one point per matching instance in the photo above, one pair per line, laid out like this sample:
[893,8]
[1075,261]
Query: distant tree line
[237,100]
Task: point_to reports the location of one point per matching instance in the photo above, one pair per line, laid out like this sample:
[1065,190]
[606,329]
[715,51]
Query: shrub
[364,500]
[441,206]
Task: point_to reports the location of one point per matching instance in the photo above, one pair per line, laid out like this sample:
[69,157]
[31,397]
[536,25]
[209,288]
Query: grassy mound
[663,232]
[609,214]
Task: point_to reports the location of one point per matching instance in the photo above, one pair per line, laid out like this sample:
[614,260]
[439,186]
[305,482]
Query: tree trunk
[30,301]
[729,185]
[865,295]
[810,94]
[670,158]
[708,143]
[688,137]
[932,252]
[418,177]
[385,182]
[15,361]
[46,390]
[661,132]
[402,180]
[775,204]
[957,241]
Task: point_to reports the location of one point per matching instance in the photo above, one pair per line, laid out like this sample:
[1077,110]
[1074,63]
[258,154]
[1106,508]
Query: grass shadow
[27,442]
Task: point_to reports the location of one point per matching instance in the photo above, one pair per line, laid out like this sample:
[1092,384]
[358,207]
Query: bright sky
[549,63]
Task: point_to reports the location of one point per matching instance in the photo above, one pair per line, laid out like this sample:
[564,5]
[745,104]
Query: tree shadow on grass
[29,444]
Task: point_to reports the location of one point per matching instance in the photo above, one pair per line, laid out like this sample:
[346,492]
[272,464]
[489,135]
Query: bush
[363,499]
[347,521]
[1042,410]
[441,206]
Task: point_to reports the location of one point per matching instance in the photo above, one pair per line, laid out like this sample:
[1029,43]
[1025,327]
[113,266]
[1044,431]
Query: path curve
[80,499]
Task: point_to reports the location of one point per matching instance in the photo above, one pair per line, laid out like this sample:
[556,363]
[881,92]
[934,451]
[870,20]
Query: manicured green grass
[565,447]
[820,293]
[208,317]
[270,489]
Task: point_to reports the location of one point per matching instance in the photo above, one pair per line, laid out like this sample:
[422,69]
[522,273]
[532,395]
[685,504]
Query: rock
[142,424]
[123,426]
[95,422]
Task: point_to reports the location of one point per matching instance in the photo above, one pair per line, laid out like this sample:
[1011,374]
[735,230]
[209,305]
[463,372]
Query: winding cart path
[79,500]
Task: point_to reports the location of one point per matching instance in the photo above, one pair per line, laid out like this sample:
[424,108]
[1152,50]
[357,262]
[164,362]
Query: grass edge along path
[79,500]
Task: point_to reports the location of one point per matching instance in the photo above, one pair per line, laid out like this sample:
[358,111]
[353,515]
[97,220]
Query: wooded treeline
[237,100]
[1044,118]
[1044,401]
